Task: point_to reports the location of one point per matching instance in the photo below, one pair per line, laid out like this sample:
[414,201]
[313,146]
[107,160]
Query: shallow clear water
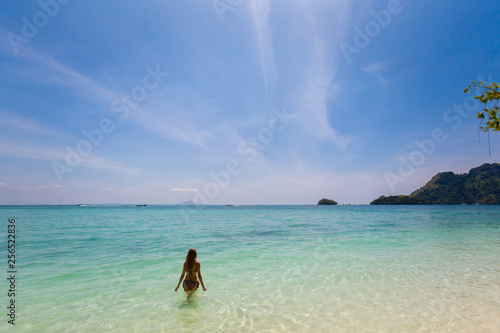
[266,268]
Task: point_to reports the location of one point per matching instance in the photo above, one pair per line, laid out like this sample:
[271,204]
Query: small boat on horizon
[81,205]
[143,205]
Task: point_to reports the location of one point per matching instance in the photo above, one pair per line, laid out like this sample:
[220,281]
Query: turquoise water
[266,268]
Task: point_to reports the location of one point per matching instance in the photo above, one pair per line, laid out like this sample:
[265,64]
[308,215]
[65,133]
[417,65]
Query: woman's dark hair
[190,258]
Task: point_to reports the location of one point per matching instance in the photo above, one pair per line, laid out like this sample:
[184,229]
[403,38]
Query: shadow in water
[189,301]
[190,311]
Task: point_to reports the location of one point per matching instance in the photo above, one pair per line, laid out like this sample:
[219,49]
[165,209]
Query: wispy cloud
[31,126]
[39,152]
[376,69]
[260,15]
[30,187]
[49,70]
[172,122]
[319,86]
[47,153]
[180,114]
[183,190]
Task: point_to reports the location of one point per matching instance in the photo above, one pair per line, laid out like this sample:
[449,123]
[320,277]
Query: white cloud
[112,189]
[183,190]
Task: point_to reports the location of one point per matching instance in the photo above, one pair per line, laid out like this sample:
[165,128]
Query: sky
[240,101]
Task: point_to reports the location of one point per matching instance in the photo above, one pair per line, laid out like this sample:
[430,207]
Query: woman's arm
[200,278]
[182,277]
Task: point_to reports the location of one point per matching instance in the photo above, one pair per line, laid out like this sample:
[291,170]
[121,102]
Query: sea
[102,268]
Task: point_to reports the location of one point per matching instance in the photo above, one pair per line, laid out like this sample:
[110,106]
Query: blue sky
[240,102]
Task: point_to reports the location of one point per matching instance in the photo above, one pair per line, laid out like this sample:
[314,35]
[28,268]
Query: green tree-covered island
[327,202]
[480,186]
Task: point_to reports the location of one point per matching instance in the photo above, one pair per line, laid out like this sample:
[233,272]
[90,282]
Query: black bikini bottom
[192,284]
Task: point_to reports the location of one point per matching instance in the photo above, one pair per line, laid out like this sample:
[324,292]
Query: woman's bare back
[192,274]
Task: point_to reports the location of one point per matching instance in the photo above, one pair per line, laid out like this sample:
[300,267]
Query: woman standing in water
[191,270]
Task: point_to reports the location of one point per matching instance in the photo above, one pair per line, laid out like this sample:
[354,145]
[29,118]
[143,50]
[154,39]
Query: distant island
[398,200]
[188,203]
[327,202]
[480,186]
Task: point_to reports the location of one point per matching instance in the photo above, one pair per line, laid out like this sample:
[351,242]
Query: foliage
[327,202]
[490,97]
[481,185]
[398,200]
